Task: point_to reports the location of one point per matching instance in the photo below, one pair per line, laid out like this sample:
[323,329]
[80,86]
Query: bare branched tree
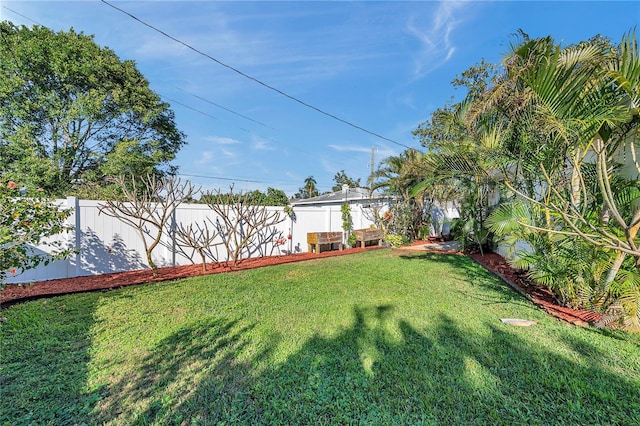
[200,238]
[241,224]
[147,205]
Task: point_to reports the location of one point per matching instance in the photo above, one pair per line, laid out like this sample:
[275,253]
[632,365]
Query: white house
[323,214]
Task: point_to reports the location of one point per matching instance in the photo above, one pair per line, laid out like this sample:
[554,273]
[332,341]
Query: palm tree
[310,187]
[398,174]
[582,103]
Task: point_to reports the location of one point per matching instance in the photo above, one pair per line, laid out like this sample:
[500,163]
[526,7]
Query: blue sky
[382,66]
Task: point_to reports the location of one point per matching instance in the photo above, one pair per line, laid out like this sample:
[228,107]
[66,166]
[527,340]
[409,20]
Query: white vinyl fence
[105,244]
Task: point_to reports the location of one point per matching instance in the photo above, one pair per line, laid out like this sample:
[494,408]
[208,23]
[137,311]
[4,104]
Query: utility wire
[248,180]
[293,98]
[20,14]
[189,107]
[222,178]
[185,105]
[220,106]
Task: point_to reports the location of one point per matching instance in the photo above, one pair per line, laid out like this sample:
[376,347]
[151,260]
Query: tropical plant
[394,240]
[398,174]
[352,240]
[461,170]
[201,238]
[405,219]
[27,218]
[347,221]
[582,101]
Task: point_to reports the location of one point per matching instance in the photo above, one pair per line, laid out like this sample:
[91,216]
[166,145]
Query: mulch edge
[144,276]
[539,297]
[544,299]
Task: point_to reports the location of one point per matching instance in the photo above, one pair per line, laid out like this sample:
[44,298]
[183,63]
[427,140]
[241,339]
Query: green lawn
[382,337]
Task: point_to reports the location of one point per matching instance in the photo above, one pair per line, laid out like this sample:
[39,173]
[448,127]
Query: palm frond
[509,218]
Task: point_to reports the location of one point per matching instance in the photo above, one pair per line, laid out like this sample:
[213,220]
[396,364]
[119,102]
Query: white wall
[105,244]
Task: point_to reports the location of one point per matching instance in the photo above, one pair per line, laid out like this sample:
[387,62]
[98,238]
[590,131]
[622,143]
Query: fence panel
[105,244]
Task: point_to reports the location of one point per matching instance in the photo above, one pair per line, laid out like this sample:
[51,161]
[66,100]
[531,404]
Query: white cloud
[205,157]
[435,36]
[221,140]
[261,144]
[347,148]
[228,153]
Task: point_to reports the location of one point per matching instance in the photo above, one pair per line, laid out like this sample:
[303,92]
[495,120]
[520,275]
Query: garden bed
[13,293]
[541,297]
[493,262]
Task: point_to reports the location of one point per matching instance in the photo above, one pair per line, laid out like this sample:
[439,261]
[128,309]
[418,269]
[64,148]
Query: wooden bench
[317,239]
[369,234]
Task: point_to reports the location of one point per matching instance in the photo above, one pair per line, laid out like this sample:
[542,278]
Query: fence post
[75,239]
[172,235]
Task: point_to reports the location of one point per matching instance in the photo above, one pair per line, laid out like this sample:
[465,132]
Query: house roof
[339,197]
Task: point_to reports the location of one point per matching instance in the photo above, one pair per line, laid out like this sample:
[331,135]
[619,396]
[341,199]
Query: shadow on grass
[379,370]
[44,357]
[474,274]
[194,374]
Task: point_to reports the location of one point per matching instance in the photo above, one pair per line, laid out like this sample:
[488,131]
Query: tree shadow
[474,274]
[45,356]
[191,374]
[378,370]
[97,257]
[264,242]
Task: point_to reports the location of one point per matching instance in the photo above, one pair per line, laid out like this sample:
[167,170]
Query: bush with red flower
[26,220]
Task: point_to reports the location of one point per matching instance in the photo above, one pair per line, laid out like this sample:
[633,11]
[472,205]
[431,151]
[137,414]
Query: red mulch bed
[13,293]
[539,296]
[491,261]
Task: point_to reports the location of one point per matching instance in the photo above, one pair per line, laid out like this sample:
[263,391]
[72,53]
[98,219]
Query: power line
[20,14]
[189,107]
[293,98]
[245,180]
[222,178]
[224,108]
[193,109]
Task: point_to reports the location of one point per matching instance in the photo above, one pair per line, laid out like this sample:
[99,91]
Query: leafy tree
[477,79]
[72,113]
[244,226]
[446,128]
[27,218]
[273,197]
[341,178]
[441,130]
[276,197]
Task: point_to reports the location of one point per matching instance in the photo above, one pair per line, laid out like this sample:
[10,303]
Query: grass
[380,337]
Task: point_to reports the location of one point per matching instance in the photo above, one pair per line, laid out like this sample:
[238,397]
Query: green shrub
[394,240]
[352,240]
